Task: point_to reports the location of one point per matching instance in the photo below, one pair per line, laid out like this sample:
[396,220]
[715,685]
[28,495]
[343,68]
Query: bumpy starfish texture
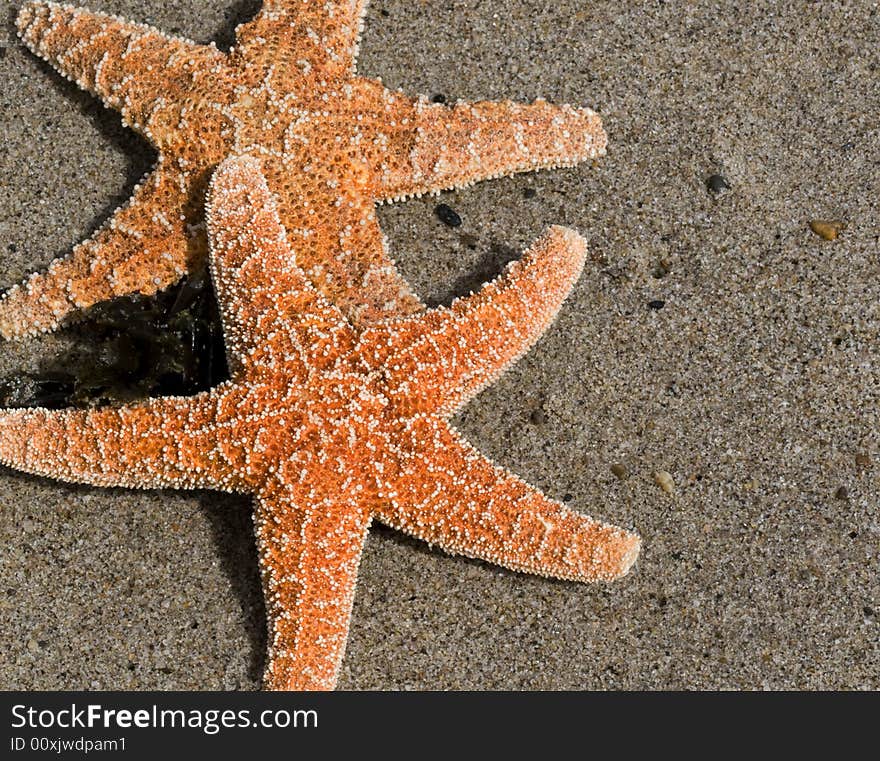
[333,144]
[329,426]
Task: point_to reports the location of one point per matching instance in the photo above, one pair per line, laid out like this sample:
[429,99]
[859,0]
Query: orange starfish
[332,144]
[330,426]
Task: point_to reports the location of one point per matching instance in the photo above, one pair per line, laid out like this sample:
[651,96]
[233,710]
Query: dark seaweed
[131,348]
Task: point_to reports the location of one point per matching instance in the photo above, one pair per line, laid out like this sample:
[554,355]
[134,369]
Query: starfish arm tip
[142,248]
[572,246]
[623,558]
[468,505]
[452,147]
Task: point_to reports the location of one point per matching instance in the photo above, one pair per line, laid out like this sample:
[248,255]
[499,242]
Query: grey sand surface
[756,385]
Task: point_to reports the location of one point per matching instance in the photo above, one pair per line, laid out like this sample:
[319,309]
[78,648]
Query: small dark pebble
[868,611]
[716,183]
[385,13]
[620,470]
[656,304]
[447,215]
[841,493]
[529,193]
[853,534]
[538,416]
[2,52]
[438,98]
[567,497]
[12,248]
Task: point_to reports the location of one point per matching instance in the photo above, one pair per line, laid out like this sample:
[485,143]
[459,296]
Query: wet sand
[713,335]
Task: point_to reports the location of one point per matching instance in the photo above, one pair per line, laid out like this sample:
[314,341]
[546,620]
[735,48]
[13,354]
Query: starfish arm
[438,361]
[448,494]
[309,548]
[272,315]
[144,247]
[132,67]
[295,37]
[421,147]
[156,444]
